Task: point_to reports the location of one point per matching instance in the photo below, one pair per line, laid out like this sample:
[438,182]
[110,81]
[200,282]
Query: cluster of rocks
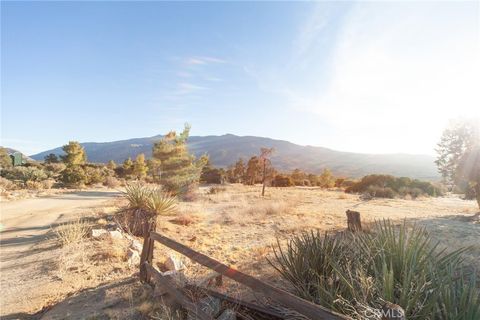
[133,250]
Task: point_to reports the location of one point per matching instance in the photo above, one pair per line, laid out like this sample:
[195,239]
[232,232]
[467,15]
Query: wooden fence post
[147,251]
[353,221]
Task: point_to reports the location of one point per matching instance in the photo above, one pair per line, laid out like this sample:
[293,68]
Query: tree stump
[353,221]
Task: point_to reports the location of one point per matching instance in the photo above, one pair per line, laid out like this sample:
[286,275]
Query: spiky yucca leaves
[145,204]
[356,273]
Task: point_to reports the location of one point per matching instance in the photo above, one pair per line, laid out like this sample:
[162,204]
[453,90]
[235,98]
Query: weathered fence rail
[304,307]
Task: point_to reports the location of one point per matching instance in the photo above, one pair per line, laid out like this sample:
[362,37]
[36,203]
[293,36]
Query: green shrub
[281,180]
[73,176]
[25,174]
[212,175]
[379,192]
[352,273]
[379,185]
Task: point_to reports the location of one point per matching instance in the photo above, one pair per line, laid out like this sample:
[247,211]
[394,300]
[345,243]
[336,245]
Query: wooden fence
[288,300]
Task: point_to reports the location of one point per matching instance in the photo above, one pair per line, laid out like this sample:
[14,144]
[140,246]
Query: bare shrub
[216,189]
[48,184]
[184,219]
[111,182]
[7,185]
[267,207]
[72,232]
[34,185]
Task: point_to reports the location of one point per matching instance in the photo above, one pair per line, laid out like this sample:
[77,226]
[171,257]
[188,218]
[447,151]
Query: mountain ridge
[224,150]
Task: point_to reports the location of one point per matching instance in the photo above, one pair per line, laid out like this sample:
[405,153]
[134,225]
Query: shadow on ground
[110,301]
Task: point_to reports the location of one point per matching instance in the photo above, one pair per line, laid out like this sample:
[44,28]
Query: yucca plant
[145,204]
[351,273]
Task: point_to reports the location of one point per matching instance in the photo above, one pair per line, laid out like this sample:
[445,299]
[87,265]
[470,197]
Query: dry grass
[72,232]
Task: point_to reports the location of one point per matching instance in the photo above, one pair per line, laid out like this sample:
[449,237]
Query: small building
[17,159]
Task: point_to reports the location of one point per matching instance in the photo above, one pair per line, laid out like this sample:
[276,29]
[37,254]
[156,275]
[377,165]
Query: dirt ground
[233,224]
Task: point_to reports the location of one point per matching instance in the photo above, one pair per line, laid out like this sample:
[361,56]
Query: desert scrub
[386,186]
[72,232]
[356,273]
[145,203]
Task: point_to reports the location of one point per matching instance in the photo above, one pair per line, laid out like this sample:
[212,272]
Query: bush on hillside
[73,176]
[24,174]
[379,185]
[281,180]
[212,175]
[355,274]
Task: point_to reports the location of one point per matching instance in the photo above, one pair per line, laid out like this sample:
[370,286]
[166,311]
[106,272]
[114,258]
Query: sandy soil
[26,250]
[234,225]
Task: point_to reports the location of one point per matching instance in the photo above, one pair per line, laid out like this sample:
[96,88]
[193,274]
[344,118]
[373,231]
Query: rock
[97,233]
[136,245]
[116,234]
[176,278]
[173,263]
[209,305]
[133,257]
[228,314]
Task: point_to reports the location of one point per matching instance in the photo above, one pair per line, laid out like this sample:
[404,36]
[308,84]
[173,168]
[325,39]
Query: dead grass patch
[72,232]
[185,219]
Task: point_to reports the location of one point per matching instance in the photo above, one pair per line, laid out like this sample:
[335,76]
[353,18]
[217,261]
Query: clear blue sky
[367,77]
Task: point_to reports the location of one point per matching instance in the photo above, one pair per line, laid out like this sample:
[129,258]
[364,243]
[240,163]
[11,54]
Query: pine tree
[176,169]
[111,165]
[140,167]
[51,158]
[127,167]
[74,154]
[459,157]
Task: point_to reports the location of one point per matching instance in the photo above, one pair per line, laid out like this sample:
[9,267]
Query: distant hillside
[226,149]
[11,151]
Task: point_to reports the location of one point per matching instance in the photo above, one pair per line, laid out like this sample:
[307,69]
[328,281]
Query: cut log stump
[353,221]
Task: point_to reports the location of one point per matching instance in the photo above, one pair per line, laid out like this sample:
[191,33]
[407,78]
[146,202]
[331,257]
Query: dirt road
[23,225]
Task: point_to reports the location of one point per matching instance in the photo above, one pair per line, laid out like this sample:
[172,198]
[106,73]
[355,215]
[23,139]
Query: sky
[372,77]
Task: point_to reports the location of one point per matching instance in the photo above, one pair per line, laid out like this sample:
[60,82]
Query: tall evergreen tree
[74,154]
[74,158]
[140,168]
[458,156]
[177,169]
[111,165]
[127,167]
[455,141]
[51,158]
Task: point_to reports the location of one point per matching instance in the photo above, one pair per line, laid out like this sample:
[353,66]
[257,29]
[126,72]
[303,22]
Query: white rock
[116,234]
[133,257]
[97,233]
[228,314]
[136,245]
[176,278]
[173,263]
